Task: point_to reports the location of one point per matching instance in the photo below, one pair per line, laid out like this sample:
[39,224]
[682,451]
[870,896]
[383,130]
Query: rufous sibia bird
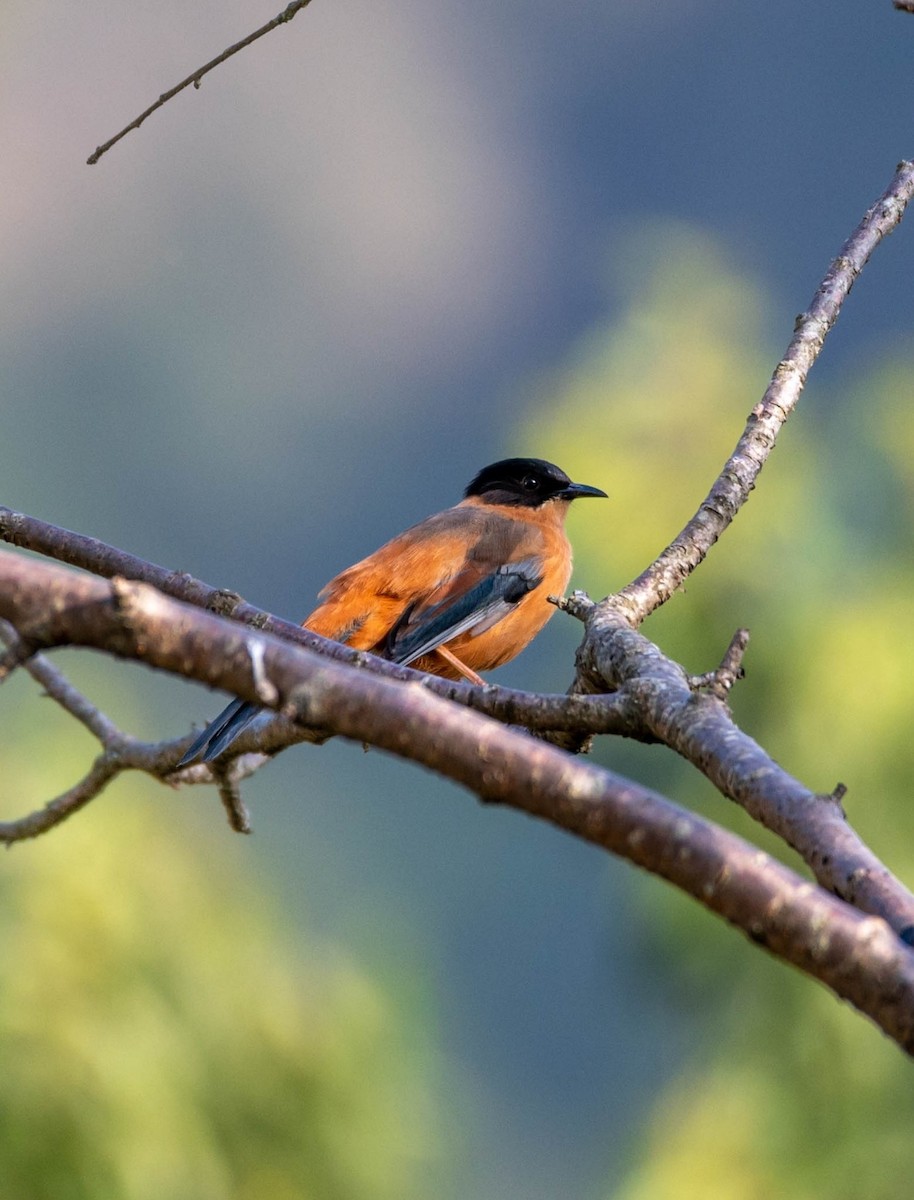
[461,592]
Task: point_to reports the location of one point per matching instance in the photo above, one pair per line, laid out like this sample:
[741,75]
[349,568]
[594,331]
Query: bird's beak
[575,491]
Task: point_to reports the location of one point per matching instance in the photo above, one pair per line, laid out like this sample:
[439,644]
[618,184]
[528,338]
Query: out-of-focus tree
[160,1036]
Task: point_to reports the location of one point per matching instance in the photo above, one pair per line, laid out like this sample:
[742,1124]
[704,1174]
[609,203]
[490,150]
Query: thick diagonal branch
[855,955]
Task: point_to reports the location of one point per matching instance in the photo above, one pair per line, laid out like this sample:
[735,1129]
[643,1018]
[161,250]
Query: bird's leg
[464,670]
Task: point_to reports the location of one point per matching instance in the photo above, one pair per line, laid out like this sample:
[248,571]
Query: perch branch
[857,956]
[538,713]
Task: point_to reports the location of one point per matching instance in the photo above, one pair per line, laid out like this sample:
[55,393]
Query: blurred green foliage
[161,1037]
[787,1092]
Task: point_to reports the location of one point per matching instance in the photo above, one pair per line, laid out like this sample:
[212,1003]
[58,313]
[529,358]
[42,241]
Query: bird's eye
[530,482]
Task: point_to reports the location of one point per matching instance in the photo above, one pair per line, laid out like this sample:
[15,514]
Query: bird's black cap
[527,483]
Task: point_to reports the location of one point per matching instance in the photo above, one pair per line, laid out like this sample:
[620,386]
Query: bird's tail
[220,732]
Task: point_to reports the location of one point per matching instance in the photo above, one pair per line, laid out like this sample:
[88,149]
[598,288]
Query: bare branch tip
[739,644]
[239,818]
[577,605]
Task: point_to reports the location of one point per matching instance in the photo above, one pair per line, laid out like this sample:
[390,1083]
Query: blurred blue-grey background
[291,315]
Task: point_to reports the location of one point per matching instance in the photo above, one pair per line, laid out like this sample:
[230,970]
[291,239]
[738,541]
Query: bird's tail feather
[220,732]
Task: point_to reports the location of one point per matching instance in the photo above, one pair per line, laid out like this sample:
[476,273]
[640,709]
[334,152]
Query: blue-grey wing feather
[477,609]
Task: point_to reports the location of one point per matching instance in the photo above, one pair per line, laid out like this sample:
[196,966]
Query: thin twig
[103,770]
[282,18]
[58,688]
[731,489]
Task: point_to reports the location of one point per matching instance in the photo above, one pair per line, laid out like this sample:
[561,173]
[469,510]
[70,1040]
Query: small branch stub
[577,605]
[239,818]
[720,682]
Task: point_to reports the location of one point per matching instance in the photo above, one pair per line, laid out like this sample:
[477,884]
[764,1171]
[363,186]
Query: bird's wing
[472,602]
